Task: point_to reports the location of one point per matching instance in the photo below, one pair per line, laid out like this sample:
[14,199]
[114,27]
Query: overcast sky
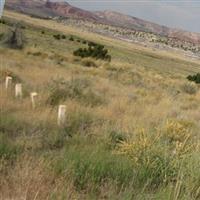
[1,6]
[174,13]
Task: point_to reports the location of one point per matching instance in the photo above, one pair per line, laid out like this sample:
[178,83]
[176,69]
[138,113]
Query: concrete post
[33,96]
[8,82]
[18,90]
[61,115]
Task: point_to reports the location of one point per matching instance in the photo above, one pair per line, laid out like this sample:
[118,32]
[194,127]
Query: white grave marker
[18,90]
[61,115]
[8,82]
[33,99]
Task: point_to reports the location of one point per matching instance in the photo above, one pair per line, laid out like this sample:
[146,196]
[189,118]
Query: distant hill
[119,19]
[126,21]
[47,8]
[31,7]
[50,8]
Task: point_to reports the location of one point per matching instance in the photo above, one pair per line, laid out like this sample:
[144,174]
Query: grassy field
[132,125]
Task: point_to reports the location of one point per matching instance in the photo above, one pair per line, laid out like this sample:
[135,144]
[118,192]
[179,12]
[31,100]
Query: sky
[184,14]
[1,6]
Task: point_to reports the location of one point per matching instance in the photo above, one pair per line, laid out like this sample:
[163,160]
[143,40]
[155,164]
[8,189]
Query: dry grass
[156,111]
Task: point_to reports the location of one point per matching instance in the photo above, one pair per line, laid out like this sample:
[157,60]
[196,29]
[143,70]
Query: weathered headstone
[8,82]
[18,90]
[61,115]
[33,96]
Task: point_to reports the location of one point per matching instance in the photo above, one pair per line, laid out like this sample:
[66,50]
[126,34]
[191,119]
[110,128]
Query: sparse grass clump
[189,88]
[8,150]
[60,90]
[78,89]
[88,63]
[93,166]
[116,138]
[178,131]
[81,123]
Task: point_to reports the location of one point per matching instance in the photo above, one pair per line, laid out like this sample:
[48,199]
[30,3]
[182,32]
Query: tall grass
[131,129]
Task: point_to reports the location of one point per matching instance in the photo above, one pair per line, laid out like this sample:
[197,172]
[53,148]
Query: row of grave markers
[33,95]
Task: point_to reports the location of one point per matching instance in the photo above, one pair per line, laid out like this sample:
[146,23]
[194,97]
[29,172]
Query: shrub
[7,149]
[116,137]
[2,21]
[57,36]
[81,123]
[63,37]
[195,78]
[37,53]
[71,38]
[94,50]
[9,22]
[15,38]
[4,73]
[189,88]
[11,126]
[1,36]
[177,131]
[78,89]
[54,139]
[149,161]
[23,27]
[57,95]
[91,98]
[57,92]
[158,157]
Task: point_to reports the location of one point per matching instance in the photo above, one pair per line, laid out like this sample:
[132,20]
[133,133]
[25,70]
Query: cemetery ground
[131,129]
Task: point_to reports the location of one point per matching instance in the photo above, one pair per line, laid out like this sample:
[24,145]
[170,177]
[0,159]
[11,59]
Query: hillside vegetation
[132,124]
